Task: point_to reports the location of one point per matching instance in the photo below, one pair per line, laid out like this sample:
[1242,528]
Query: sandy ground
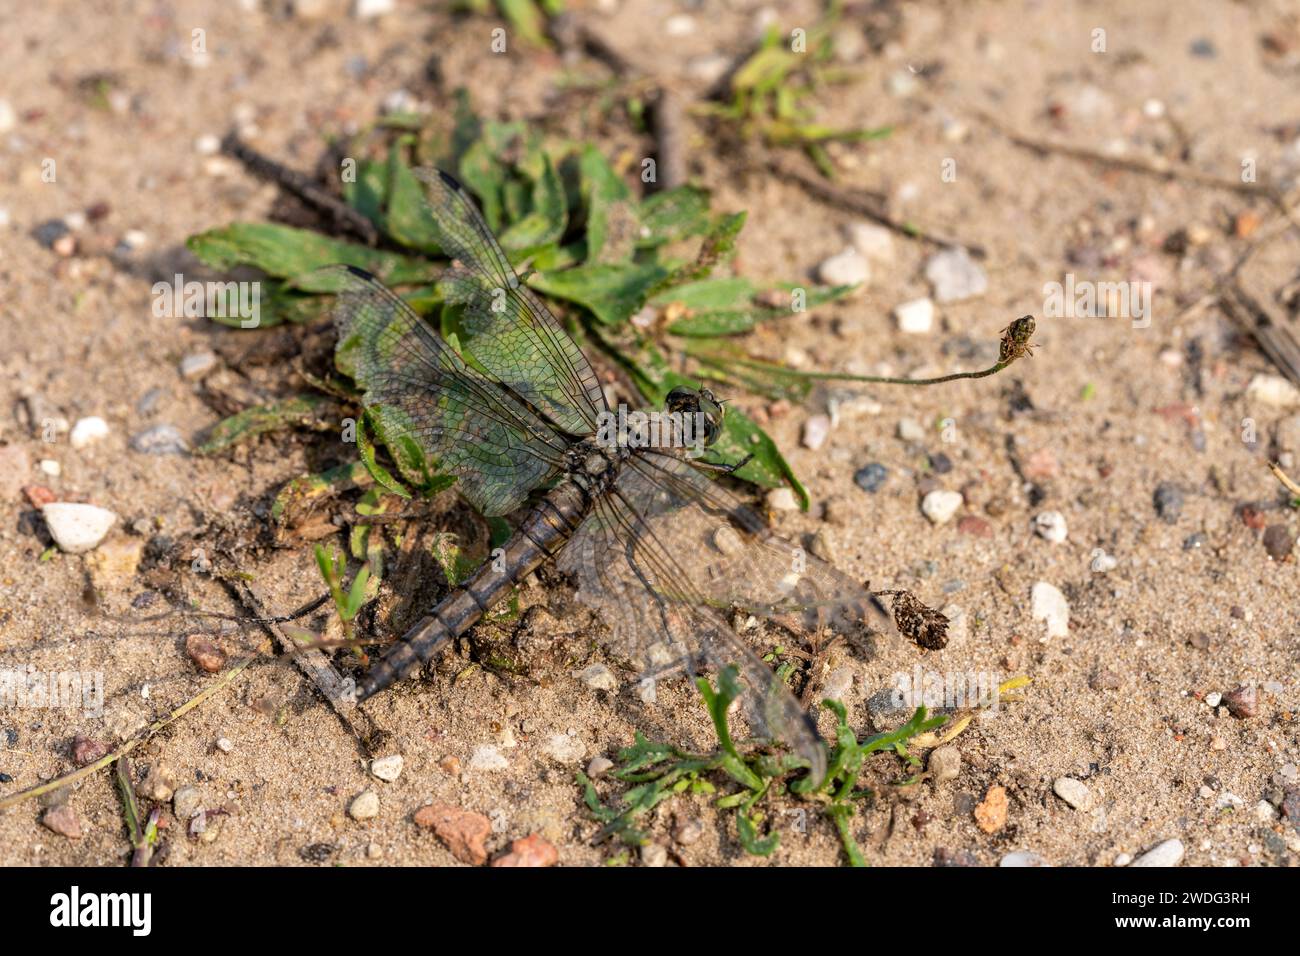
[1089,427]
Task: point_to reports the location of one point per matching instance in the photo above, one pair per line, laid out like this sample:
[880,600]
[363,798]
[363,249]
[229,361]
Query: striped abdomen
[546,529]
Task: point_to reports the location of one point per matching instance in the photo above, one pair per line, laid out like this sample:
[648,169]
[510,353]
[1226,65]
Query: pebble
[197,365]
[727,540]
[782,499]
[134,239]
[954,276]
[1168,500]
[839,684]
[975,526]
[87,431]
[224,745]
[160,440]
[486,757]
[909,429]
[461,831]
[1278,541]
[915,317]
[1051,526]
[940,463]
[207,145]
[815,431]
[159,784]
[366,9]
[50,467]
[1272,390]
[533,850]
[1050,605]
[1073,792]
[945,764]
[939,506]
[364,806]
[991,812]
[688,831]
[86,750]
[1123,859]
[1042,465]
[654,854]
[77,528]
[62,820]
[1265,812]
[8,117]
[389,768]
[1242,702]
[1169,853]
[871,477]
[1102,562]
[566,748]
[874,242]
[599,766]
[599,677]
[1194,541]
[205,653]
[1023,858]
[848,267]
[186,802]
[1212,699]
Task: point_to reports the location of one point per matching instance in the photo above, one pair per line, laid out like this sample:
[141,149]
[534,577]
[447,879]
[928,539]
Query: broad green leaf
[709,294]
[286,252]
[603,192]
[273,416]
[610,292]
[674,214]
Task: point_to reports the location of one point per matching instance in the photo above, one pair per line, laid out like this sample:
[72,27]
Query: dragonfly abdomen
[542,533]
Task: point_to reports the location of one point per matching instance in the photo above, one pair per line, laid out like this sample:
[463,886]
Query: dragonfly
[627,504]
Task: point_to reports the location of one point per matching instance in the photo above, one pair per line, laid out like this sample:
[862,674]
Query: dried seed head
[920,624]
[1015,340]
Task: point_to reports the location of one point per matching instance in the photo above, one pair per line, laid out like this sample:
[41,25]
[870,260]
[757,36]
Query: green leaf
[377,471]
[545,223]
[526,20]
[408,220]
[297,411]
[612,293]
[286,252]
[603,190]
[709,294]
[750,839]
[674,214]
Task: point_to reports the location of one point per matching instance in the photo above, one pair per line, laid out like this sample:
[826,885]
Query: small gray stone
[910,430]
[945,764]
[599,677]
[839,684]
[652,854]
[599,766]
[1051,526]
[186,802]
[487,757]
[1073,792]
[955,276]
[939,505]
[387,768]
[197,365]
[1168,853]
[845,268]
[75,527]
[160,440]
[688,831]
[1023,858]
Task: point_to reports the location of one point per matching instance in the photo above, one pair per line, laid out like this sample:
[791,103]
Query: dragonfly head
[702,403]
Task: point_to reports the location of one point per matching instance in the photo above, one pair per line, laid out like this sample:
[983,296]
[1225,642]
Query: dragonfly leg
[721,468]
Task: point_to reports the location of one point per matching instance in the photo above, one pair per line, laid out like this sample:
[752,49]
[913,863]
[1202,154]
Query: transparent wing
[467,424]
[510,331]
[658,619]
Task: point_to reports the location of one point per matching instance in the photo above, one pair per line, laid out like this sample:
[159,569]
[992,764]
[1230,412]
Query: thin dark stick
[299,185]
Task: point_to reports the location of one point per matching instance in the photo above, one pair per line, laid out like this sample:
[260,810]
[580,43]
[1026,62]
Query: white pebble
[135,238]
[910,430]
[848,267]
[1073,792]
[366,9]
[954,275]
[1023,858]
[915,317]
[815,431]
[1123,859]
[1102,562]
[88,431]
[599,766]
[1212,699]
[782,499]
[197,364]
[1272,390]
[208,145]
[487,757]
[1265,812]
[77,528]
[8,117]
[875,243]
[365,806]
[679,26]
[839,684]
[387,768]
[1050,605]
[50,467]
[1051,526]
[939,506]
[1169,853]
[566,748]
[224,745]
[599,677]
